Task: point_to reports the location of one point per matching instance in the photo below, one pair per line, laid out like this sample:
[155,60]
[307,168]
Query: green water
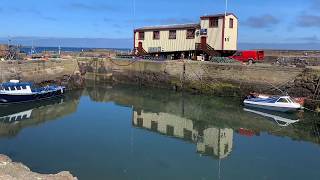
[130,133]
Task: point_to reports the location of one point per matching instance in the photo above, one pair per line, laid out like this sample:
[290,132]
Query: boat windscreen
[292,100]
[283,100]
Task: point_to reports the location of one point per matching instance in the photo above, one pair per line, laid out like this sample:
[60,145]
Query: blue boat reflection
[15,113]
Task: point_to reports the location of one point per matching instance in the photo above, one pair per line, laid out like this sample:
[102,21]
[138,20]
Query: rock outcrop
[12,171]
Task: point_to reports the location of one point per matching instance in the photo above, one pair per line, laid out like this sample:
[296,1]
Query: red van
[248,56]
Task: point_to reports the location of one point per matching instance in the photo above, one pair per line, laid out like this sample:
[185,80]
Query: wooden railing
[140,51]
[207,49]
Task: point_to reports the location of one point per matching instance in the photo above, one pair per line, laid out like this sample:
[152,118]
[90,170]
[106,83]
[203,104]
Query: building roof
[217,15]
[170,27]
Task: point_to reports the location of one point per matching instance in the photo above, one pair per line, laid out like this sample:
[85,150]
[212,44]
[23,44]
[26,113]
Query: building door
[140,45]
[204,42]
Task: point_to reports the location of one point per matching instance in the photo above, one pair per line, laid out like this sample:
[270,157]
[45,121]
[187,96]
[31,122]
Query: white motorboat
[274,103]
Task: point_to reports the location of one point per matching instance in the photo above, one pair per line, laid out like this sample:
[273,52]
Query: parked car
[248,56]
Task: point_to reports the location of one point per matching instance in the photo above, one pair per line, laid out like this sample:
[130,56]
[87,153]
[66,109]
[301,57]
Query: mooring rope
[304,108]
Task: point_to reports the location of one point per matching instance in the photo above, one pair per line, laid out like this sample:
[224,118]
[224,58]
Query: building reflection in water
[210,141]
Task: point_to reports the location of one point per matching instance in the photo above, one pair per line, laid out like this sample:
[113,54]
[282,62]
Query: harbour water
[125,132]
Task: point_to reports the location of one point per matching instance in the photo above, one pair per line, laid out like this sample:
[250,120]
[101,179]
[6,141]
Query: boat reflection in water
[210,141]
[15,117]
[14,113]
[279,119]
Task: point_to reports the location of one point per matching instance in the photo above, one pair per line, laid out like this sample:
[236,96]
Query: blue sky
[261,21]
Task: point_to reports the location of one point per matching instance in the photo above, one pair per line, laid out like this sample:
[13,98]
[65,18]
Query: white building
[214,35]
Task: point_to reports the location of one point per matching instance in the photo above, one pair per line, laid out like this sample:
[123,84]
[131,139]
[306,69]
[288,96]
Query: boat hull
[271,107]
[16,98]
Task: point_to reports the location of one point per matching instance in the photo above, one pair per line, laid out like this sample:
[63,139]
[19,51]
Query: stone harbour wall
[206,77]
[39,71]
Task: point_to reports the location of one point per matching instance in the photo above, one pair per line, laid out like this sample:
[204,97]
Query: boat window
[7,119]
[13,119]
[19,118]
[283,100]
[18,87]
[24,87]
[7,88]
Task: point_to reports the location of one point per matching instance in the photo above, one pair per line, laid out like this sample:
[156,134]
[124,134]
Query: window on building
[170,130]
[187,134]
[140,122]
[213,22]
[141,35]
[208,150]
[154,126]
[172,34]
[156,34]
[191,33]
[231,23]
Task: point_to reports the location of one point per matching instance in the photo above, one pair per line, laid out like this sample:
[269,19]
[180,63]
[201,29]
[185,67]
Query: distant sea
[64,49]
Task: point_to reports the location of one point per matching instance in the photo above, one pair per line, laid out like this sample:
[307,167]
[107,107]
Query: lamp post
[226,8]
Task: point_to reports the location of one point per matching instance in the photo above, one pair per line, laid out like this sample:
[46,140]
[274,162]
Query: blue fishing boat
[16,92]
[273,103]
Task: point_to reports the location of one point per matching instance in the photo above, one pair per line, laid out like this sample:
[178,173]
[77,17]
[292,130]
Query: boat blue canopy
[267,100]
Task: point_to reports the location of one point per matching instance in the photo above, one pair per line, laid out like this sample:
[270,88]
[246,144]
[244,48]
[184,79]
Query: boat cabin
[15,87]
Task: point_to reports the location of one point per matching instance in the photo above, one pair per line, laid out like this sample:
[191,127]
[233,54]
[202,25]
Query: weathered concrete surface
[60,71]
[13,171]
